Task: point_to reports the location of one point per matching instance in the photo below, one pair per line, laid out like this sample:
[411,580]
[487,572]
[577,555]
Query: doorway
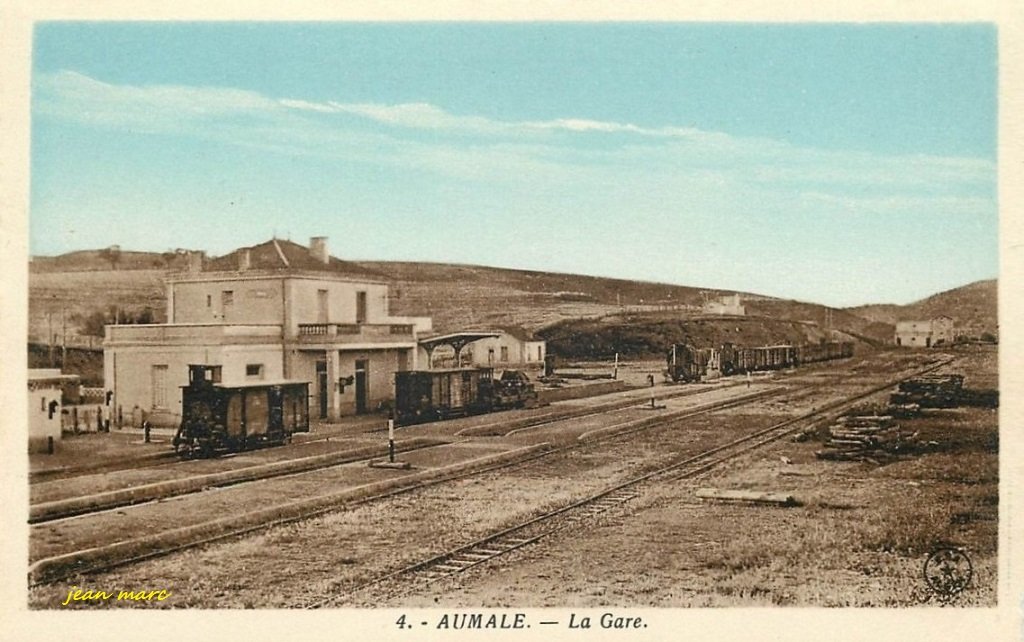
[321,387]
[362,379]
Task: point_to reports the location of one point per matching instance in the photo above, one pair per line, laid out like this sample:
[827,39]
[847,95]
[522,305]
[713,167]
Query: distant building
[512,348]
[274,311]
[924,334]
[45,405]
[725,305]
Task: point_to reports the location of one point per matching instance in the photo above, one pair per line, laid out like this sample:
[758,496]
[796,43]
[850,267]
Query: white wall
[129,372]
[40,424]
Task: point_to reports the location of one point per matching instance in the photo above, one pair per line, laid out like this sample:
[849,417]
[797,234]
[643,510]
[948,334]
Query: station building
[274,311]
[924,334]
[502,348]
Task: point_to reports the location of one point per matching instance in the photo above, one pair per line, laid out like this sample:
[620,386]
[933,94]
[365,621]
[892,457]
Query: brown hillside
[973,307]
[456,296]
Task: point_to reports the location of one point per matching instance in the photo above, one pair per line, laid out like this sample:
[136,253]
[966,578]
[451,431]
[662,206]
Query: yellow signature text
[76,594]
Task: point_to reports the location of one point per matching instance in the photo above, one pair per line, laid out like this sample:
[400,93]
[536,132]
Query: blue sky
[841,164]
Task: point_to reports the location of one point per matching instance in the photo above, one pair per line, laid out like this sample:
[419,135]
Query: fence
[99,418]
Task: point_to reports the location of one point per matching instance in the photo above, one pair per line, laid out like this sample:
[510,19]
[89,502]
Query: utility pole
[49,334]
[63,336]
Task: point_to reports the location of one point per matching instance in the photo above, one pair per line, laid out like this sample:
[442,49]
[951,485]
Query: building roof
[281,255]
[39,377]
[519,333]
[455,339]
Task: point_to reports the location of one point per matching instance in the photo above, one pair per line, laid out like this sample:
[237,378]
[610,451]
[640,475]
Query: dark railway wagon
[687,363]
[427,395]
[218,417]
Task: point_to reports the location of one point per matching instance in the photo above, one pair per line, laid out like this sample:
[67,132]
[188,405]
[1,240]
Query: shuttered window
[159,386]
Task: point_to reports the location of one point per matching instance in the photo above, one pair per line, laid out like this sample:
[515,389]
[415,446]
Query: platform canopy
[456,340]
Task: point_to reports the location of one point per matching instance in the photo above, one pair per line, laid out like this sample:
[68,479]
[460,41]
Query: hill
[634,336]
[66,289]
[973,308]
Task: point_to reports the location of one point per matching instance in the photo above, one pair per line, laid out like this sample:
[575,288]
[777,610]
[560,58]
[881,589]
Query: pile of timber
[905,411]
[862,437]
[748,496]
[985,398]
[930,391]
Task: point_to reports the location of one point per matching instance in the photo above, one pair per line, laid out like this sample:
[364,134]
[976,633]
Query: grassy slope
[973,308]
[463,296]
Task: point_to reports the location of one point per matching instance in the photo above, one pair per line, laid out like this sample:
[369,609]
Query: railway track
[170,460]
[135,494]
[578,513]
[100,564]
[51,576]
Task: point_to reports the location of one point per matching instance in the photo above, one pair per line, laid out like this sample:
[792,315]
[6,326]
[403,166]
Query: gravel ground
[99,482]
[860,539]
[291,565]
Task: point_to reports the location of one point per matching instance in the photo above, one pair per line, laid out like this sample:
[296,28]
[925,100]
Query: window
[504,353]
[227,297]
[360,307]
[42,406]
[254,370]
[158,377]
[322,314]
[209,300]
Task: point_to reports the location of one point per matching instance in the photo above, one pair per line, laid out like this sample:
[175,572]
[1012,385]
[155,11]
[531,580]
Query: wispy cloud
[429,138]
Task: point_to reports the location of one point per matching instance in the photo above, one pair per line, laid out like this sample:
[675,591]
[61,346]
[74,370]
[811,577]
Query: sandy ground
[860,538]
[848,544]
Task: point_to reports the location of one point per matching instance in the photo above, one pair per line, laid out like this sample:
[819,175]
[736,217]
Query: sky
[839,164]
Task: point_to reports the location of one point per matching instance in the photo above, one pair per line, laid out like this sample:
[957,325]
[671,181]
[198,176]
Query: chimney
[195,260]
[318,249]
[243,259]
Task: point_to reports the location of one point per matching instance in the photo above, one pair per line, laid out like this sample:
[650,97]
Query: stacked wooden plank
[905,411]
[930,391]
[862,437]
[980,397]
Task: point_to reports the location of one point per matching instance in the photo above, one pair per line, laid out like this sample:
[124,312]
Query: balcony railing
[192,334]
[354,332]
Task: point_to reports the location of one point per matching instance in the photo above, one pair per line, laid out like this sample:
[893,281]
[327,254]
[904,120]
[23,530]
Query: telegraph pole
[63,336]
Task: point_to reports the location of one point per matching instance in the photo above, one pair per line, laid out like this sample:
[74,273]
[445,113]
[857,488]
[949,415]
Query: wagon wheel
[184,449]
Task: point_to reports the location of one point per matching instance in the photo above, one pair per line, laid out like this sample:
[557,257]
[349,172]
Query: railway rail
[596,502]
[498,544]
[134,494]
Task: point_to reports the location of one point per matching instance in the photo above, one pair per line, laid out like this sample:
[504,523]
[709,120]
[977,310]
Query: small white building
[45,388]
[729,305]
[924,334]
[500,348]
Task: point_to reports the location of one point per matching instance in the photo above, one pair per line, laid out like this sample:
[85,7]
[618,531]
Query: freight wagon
[687,363]
[428,395]
[218,417]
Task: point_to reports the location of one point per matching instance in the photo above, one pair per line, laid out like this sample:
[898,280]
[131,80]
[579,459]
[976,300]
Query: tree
[93,324]
[112,254]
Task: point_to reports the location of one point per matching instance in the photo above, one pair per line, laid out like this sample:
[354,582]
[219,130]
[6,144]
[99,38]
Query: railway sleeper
[461,563]
[449,568]
[478,557]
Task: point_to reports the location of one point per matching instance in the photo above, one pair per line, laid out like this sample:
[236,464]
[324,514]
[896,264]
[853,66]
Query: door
[362,379]
[321,387]
[275,410]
